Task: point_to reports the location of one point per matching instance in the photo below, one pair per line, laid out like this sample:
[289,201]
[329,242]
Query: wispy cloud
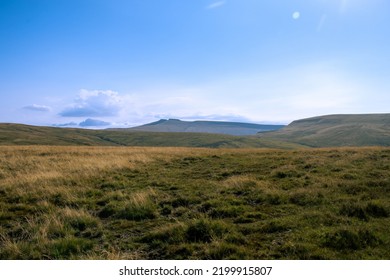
[70,124]
[38,108]
[216,5]
[343,6]
[321,23]
[279,96]
[264,97]
[95,103]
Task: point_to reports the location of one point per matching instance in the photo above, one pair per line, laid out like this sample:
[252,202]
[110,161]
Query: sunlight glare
[296,15]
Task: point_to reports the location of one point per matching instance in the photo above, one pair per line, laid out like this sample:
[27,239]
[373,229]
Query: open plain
[74,202]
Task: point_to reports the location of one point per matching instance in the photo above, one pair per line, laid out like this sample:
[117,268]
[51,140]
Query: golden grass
[137,203]
[48,169]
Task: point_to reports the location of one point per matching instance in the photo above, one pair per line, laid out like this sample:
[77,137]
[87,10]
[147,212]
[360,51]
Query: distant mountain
[90,123]
[93,123]
[336,130]
[231,128]
[323,131]
[19,134]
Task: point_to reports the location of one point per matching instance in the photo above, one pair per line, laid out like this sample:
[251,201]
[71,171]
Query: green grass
[18,134]
[336,130]
[324,131]
[182,203]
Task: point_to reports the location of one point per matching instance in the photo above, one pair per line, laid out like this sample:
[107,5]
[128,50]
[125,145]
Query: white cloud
[95,103]
[39,108]
[266,97]
[280,96]
[216,5]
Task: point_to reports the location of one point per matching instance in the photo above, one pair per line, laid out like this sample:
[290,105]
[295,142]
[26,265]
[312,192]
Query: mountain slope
[336,130]
[231,128]
[18,134]
[323,131]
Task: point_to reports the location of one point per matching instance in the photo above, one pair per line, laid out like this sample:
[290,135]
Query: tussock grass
[182,203]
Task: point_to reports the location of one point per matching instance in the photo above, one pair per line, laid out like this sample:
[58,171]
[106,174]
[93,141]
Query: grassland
[62,202]
[19,134]
[337,130]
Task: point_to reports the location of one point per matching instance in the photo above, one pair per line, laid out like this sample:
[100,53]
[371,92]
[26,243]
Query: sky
[120,63]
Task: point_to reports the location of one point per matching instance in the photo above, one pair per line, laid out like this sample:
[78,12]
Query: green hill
[336,130]
[18,134]
[323,131]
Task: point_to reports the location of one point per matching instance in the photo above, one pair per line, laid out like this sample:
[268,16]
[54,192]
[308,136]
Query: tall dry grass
[50,169]
[138,203]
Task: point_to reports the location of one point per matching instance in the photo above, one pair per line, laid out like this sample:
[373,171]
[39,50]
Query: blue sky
[128,62]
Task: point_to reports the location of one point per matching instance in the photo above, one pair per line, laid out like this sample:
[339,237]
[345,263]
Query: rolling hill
[336,130]
[19,134]
[322,131]
[231,128]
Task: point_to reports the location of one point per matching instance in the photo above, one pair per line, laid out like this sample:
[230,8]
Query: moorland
[80,202]
[323,131]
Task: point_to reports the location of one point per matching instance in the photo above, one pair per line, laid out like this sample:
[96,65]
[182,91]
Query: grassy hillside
[324,131]
[337,130]
[230,128]
[180,203]
[187,139]
[17,134]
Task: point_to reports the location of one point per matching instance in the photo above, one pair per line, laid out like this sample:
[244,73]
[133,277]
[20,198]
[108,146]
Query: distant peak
[158,122]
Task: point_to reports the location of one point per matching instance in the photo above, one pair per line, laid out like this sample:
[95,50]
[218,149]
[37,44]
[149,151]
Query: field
[69,202]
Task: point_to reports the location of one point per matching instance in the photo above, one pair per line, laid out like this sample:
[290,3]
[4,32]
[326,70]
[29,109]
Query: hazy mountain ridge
[322,131]
[216,127]
[19,134]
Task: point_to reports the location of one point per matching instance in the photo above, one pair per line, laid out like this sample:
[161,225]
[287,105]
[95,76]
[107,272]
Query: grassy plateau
[70,202]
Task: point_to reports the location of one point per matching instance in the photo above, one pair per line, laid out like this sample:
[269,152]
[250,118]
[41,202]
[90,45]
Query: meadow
[74,202]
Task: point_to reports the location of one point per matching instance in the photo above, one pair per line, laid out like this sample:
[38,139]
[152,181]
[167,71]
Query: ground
[188,203]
